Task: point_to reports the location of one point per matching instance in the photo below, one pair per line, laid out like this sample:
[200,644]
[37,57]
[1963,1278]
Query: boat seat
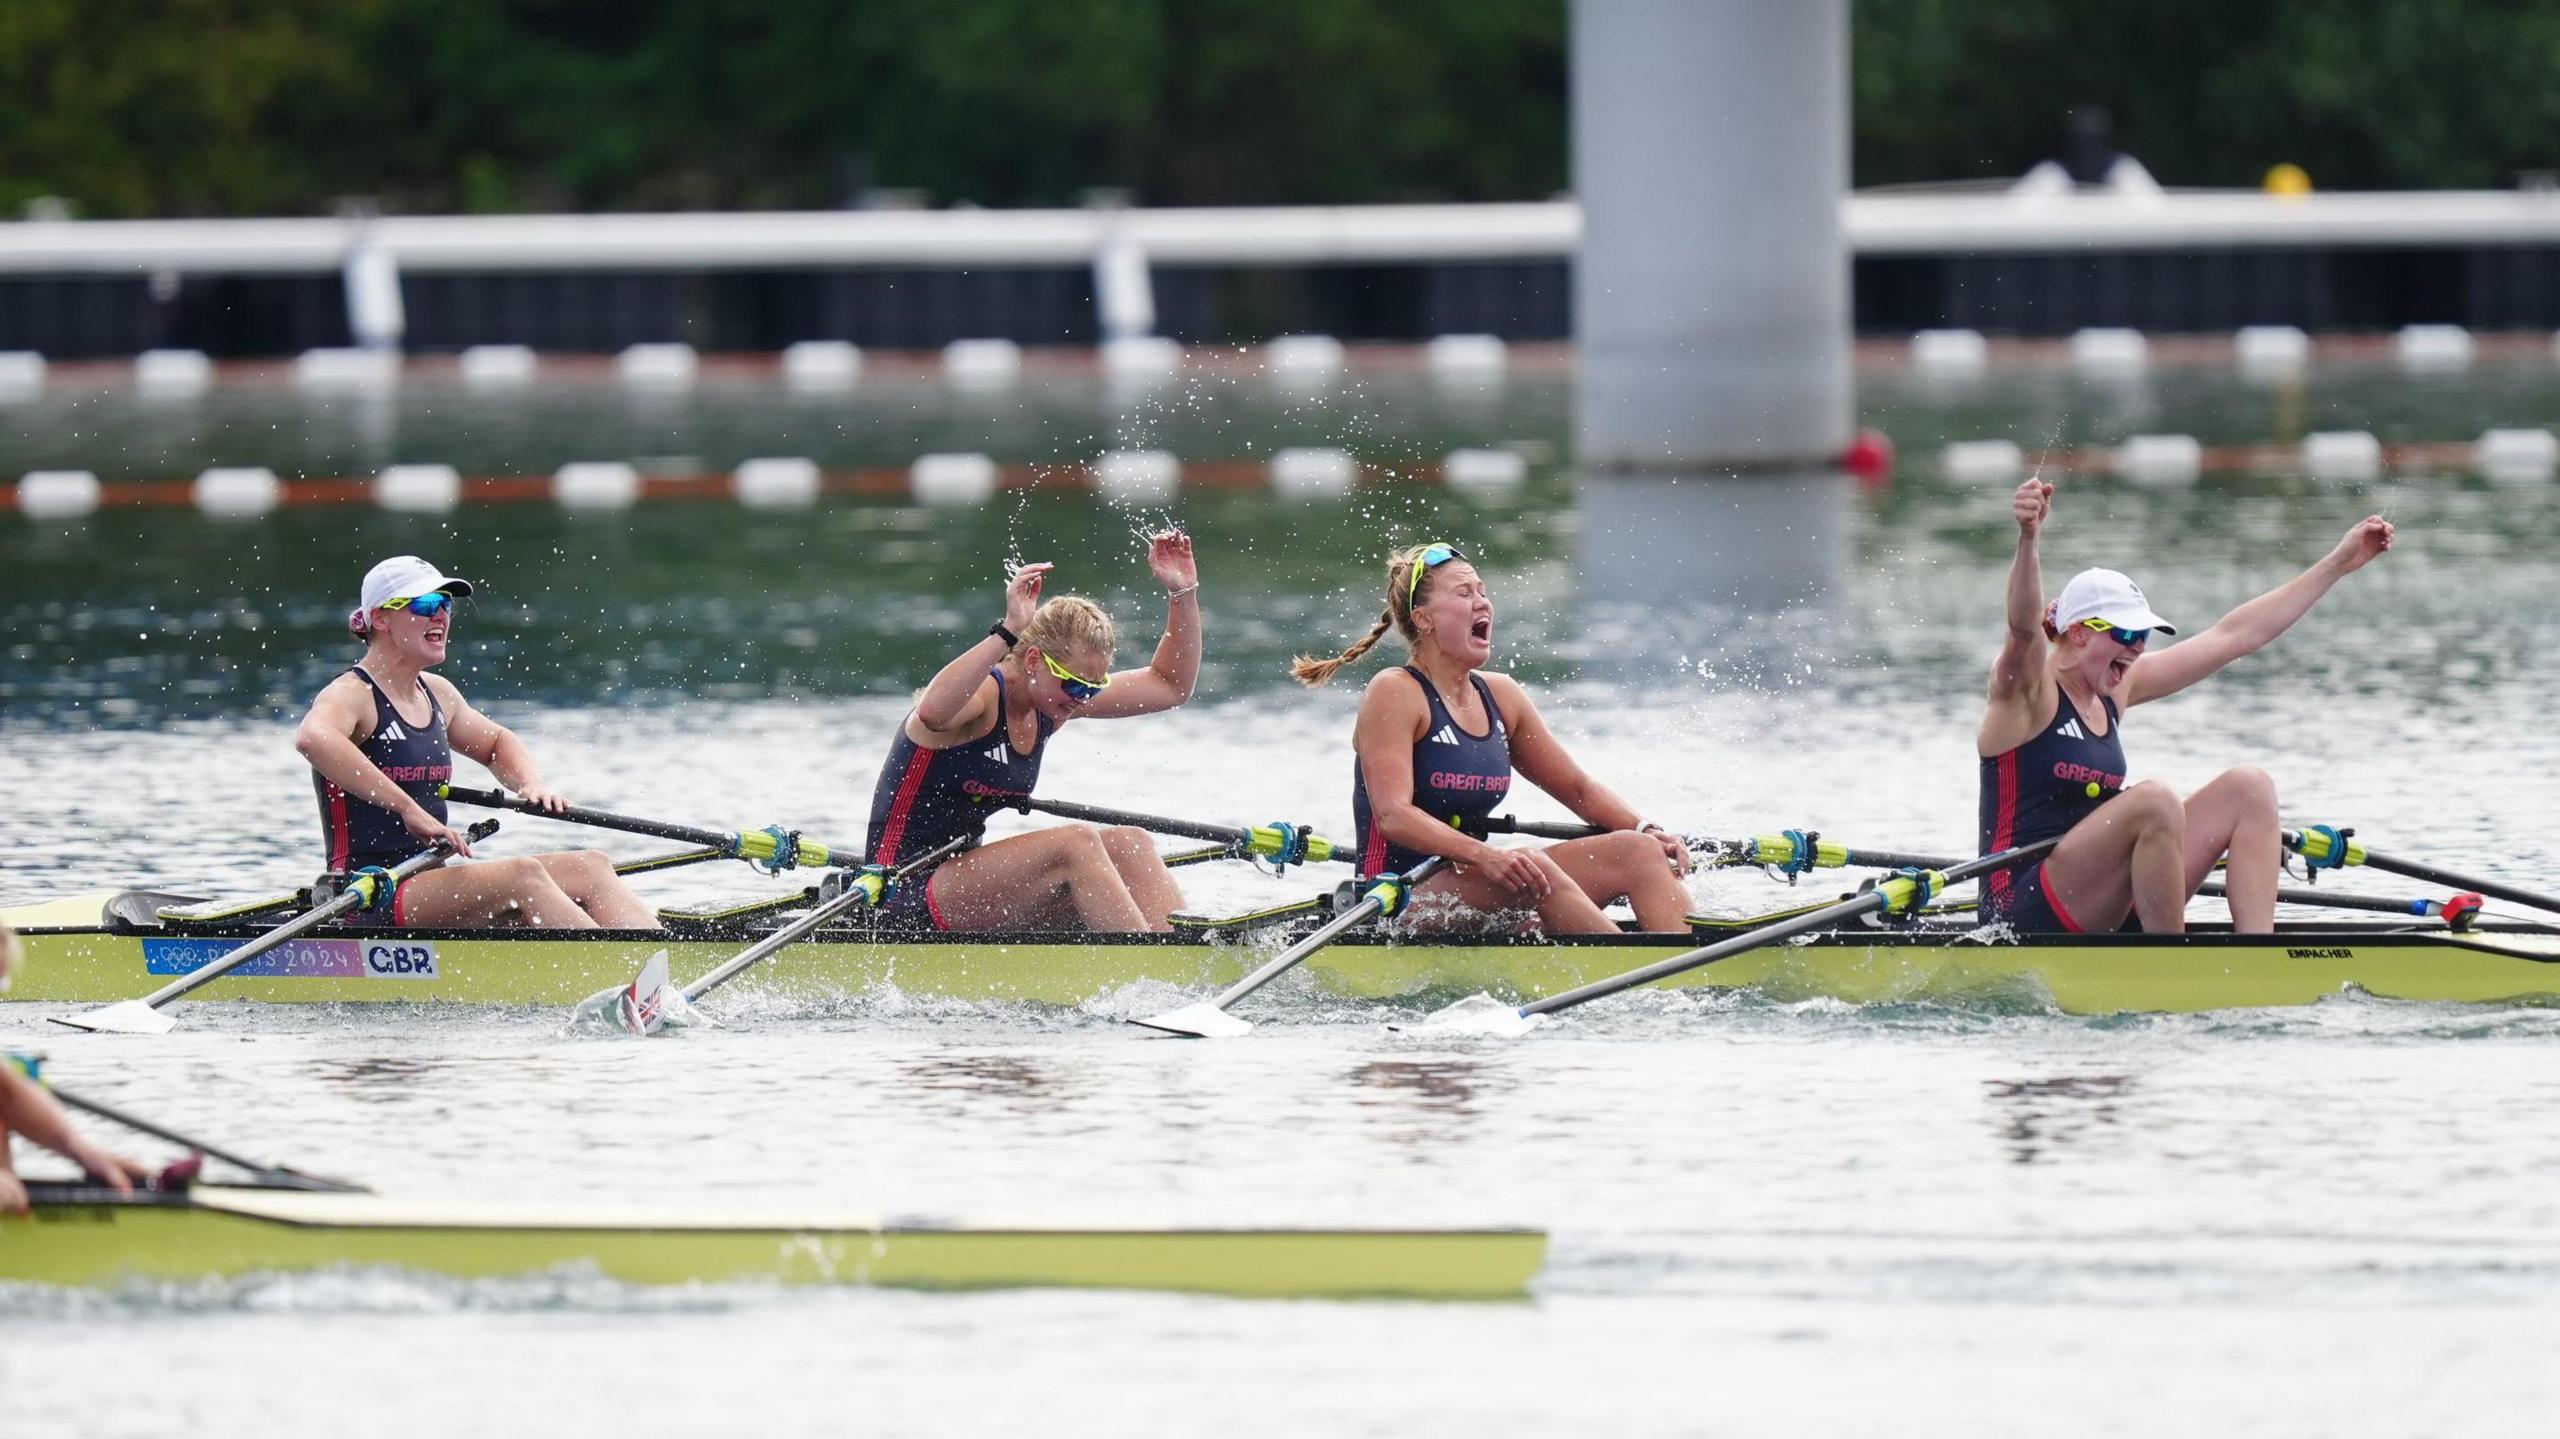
[139,909]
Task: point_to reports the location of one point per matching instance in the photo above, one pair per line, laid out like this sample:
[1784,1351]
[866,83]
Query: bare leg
[1628,866]
[2237,814]
[1142,872]
[587,877]
[489,893]
[1564,910]
[1010,883]
[2129,855]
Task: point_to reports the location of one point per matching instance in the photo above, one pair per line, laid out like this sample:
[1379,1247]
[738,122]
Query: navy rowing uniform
[2039,791]
[926,798]
[361,834]
[1458,778]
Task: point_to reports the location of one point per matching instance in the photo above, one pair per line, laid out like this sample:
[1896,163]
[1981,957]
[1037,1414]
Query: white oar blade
[1481,1014]
[1197,1021]
[131,1017]
[639,1007]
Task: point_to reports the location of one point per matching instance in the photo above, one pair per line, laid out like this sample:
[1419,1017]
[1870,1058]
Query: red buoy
[1869,459]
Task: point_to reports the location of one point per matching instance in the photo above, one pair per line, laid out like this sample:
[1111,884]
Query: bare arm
[25,1108]
[327,739]
[1542,759]
[475,736]
[949,708]
[2256,624]
[2019,689]
[1174,672]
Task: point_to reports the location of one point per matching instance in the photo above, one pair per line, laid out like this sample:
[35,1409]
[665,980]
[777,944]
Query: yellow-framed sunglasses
[2125,637]
[1078,688]
[1432,557]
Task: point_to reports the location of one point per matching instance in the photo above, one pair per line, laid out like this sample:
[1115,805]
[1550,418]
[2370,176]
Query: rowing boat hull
[86,1237]
[2095,974]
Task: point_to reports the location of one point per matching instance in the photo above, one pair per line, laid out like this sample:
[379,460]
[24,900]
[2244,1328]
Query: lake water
[1768,1218]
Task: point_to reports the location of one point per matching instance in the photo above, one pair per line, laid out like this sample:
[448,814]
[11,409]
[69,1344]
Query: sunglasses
[425,607]
[1432,557]
[2130,639]
[1078,688]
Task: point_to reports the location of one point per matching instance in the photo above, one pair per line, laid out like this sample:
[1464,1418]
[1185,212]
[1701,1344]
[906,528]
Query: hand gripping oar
[273,1176]
[1282,844]
[645,1005]
[773,848]
[1387,894]
[371,887]
[2325,847]
[1896,894]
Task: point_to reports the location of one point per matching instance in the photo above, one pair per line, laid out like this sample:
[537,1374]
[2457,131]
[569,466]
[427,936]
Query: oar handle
[1894,891]
[774,848]
[1285,843]
[865,889]
[2321,846]
[276,1174]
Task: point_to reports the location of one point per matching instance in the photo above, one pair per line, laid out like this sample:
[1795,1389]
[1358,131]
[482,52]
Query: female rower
[380,739]
[2053,762]
[1437,741]
[975,739]
[27,1109]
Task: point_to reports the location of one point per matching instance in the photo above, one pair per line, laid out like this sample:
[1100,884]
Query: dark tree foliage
[182,107]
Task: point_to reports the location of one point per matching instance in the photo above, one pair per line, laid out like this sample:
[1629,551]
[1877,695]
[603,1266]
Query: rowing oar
[273,1176]
[1282,844]
[2325,847]
[645,1005]
[1387,894]
[773,848]
[367,888]
[1902,893]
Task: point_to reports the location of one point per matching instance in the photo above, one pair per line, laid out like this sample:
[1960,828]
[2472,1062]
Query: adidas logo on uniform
[1446,734]
[997,754]
[2071,730]
[393,731]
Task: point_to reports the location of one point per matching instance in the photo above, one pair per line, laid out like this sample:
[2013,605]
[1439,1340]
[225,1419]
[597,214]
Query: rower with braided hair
[1438,739]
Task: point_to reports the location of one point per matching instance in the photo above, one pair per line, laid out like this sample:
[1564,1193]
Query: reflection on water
[1437,1101]
[2036,1117]
[963,1084]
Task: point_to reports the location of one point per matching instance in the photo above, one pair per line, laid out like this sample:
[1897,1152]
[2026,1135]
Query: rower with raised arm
[1438,739]
[2053,761]
[25,1109]
[381,738]
[974,742]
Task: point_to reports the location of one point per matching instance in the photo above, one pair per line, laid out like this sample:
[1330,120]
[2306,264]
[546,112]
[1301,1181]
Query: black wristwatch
[1000,632]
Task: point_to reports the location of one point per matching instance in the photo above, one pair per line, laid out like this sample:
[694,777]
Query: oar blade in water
[1197,1021]
[639,1007]
[130,1017]
[1481,1014]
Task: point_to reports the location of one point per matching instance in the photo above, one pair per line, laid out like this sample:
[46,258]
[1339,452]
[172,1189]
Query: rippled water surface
[1768,1217]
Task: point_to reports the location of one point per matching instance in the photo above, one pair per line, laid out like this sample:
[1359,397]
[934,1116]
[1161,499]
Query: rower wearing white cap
[380,739]
[2053,764]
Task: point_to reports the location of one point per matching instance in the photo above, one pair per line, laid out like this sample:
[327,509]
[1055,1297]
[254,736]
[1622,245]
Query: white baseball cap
[2106,595]
[405,577]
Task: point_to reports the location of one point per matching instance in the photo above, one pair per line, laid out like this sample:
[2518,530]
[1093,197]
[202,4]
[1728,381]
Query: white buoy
[497,366]
[57,494]
[776,484]
[1137,477]
[21,372]
[982,364]
[1141,357]
[2341,455]
[2433,347]
[2271,349]
[1982,461]
[2516,456]
[2160,461]
[172,372]
[2108,351]
[346,369]
[237,490]
[821,364]
[595,485]
[1303,358]
[1467,357]
[418,489]
[953,479]
[1313,473]
[657,367]
[1483,471]
[1950,353]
